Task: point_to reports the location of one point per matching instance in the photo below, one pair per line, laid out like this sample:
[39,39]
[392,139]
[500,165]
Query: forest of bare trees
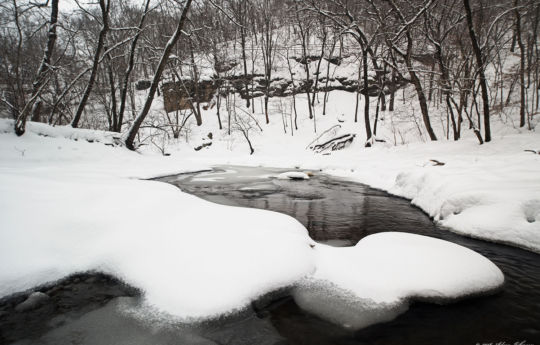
[82,65]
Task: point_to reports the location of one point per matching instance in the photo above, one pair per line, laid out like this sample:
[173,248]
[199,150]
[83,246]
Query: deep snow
[374,280]
[70,206]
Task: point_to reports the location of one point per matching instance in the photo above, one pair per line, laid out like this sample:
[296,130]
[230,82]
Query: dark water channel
[341,213]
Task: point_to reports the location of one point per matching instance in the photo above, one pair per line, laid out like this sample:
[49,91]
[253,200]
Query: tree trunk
[521,67]
[129,69]
[358,93]
[423,103]
[366,98]
[446,88]
[218,105]
[318,70]
[134,129]
[243,43]
[376,115]
[481,67]
[293,90]
[305,60]
[195,79]
[392,91]
[325,98]
[41,76]
[410,68]
[95,63]
[110,74]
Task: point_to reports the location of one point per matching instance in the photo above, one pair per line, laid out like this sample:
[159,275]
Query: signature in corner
[523,342]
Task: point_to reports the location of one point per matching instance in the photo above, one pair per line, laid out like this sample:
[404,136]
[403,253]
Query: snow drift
[69,206]
[375,280]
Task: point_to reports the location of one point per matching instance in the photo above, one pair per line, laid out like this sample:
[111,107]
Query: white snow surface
[374,280]
[293,175]
[192,258]
[68,206]
[488,191]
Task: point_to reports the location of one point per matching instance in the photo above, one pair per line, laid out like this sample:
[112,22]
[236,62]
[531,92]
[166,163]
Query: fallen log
[335,144]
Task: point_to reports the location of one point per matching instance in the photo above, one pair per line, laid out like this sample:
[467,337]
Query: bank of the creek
[95,309]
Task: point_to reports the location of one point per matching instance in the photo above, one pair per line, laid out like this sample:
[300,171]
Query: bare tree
[268,52]
[43,73]
[129,69]
[305,60]
[481,68]
[404,28]
[105,7]
[521,65]
[134,129]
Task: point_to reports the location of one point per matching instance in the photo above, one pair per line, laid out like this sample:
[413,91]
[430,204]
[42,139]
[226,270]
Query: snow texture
[375,280]
[69,206]
[293,175]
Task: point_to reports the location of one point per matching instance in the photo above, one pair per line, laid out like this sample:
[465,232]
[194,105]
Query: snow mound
[375,280]
[293,175]
[67,132]
[68,206]
[490,202]
[190,257]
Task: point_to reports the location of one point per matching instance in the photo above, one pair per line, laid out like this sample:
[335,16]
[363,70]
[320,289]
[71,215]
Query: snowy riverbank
[486,191]
[70,206]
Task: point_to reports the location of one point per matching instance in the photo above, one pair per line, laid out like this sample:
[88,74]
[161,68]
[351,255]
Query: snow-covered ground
[489,191]
[72,200]
[71,205]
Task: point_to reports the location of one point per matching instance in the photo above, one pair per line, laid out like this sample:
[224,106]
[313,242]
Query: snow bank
[64,150]
[68,132]
[500,176]
[192,258]
[495,196]
[375,280]
[68,206]
[489,192]
[293,175]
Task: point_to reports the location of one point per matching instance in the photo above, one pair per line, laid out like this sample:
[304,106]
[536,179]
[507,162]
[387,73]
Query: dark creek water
[94,309]
[341,213]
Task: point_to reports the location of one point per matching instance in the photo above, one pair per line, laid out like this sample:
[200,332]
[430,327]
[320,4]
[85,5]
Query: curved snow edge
[378,278]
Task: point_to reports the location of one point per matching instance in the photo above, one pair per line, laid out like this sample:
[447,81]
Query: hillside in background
[401,71]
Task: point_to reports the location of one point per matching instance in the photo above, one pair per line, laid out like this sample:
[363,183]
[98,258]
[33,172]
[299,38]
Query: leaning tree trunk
[195,79]
[445,81]
[95,63]
[44,68]
[131,60]
[418,87]
[481,67]
[410,68]
[423,103]
[132,133]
